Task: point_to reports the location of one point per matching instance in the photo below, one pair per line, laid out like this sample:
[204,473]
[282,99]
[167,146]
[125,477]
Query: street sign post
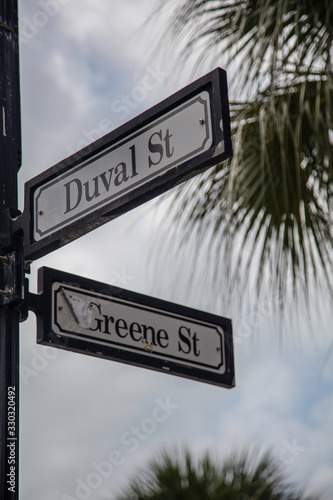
[173,141]
[94,318]
[11,258]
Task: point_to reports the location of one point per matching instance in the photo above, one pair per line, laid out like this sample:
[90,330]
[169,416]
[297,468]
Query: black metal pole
[10,160]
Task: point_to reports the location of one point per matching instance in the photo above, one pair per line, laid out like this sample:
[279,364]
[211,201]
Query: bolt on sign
[164,146]
[94,318]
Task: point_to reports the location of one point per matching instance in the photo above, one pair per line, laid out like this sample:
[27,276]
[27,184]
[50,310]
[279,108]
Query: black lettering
[195,341]
[168,151]
[135,328]
[121,325]
[160,336]
[122,175]
[98,321]
[184,339]
[77,195]
[149,329]
[107,320]
[134,172]
[107,182]
[155,147]
[95,194]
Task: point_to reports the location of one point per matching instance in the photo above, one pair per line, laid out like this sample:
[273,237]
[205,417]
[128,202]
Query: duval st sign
[94,318]
[176,137]
[171,142]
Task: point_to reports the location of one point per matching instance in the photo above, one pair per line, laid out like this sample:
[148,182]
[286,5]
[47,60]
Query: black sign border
[41,304]
[215,83]
[130,189]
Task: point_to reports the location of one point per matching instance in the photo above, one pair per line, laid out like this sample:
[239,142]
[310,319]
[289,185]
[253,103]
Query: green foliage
[272,42]
[275,195]
[181,476]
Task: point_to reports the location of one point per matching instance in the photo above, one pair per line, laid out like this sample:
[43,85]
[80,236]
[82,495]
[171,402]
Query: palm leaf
[268,210]
[181,476]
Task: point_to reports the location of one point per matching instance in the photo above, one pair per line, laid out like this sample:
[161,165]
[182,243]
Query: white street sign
[94,318]
[178,136]
[159,149]
[136,328]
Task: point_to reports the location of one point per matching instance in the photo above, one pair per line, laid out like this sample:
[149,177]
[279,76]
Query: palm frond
[259,37]
[274,195]
[182,476]
[267,212]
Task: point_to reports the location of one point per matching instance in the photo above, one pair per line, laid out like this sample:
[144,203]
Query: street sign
[93,318]
[164,146]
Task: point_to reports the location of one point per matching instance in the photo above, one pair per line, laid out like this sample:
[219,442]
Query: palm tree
[268,210]
[180,476]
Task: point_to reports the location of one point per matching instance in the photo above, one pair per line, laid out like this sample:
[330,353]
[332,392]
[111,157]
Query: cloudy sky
[87,423]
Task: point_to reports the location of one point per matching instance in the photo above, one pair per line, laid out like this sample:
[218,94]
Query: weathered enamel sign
[86,316]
